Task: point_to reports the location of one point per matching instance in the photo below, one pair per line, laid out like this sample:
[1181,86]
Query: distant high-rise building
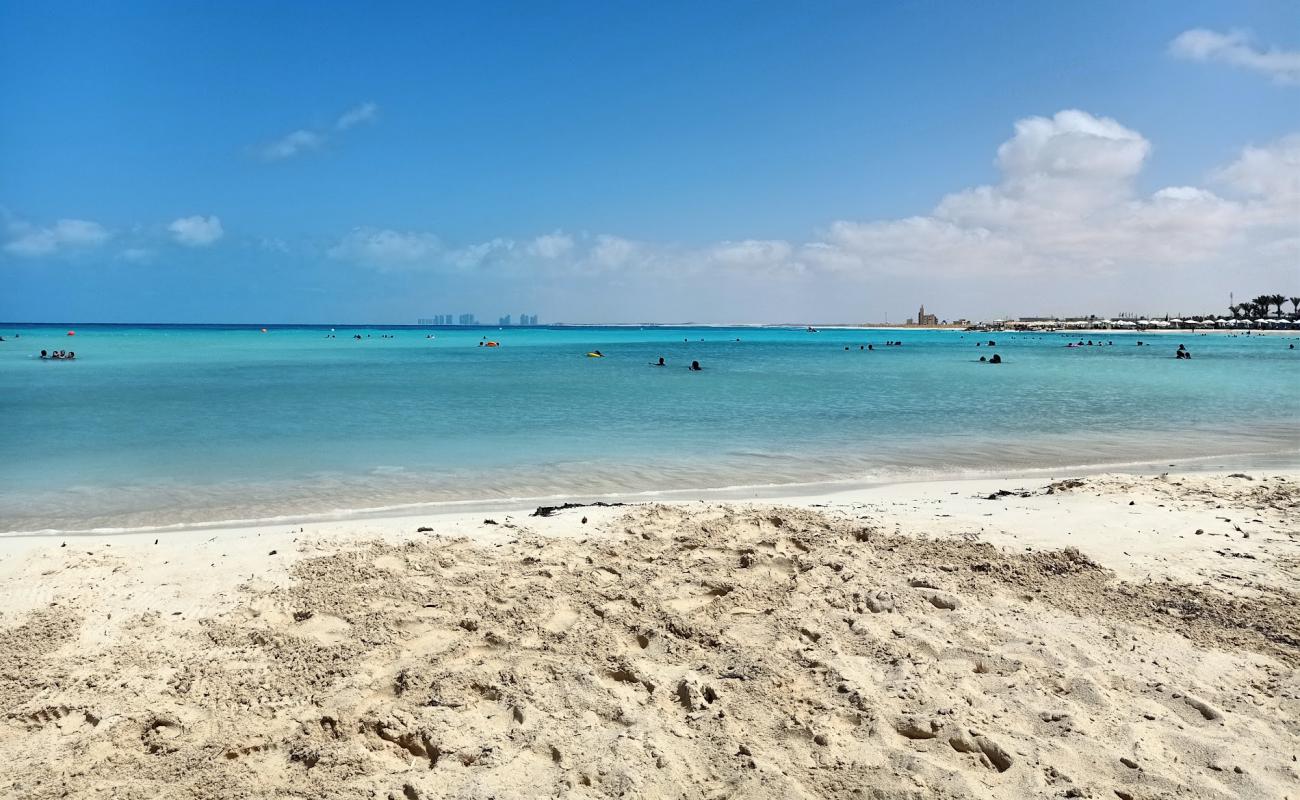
[527,319]
[504,321]
[466,319]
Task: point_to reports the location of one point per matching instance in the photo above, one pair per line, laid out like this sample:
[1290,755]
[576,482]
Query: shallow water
[162,425]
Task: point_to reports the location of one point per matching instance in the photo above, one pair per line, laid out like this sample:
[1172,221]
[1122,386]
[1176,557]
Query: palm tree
[1235,310]
[1295,305]
[1262,303]
[1277,300]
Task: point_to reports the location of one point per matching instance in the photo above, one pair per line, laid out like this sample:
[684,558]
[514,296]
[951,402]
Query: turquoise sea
[157,426]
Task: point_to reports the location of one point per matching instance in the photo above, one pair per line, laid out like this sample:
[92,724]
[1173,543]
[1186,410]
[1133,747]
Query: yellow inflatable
[595,354]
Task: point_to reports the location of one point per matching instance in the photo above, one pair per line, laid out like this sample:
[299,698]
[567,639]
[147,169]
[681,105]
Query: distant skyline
[720,162]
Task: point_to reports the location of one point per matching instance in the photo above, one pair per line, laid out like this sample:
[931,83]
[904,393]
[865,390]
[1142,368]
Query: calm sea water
[164,425]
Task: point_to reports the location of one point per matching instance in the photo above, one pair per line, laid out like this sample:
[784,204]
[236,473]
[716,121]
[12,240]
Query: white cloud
[196,231]
[1066,203]
[484,254]
[1237,49]
[34,241]
[292,144]
[753,256]
[612,252]
[387,249]
[305,140]
[551,245]
[1271,172]
[1065,210]
[365,112]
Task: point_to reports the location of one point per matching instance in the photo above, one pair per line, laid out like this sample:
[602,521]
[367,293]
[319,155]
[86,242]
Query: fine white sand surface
[1108,636]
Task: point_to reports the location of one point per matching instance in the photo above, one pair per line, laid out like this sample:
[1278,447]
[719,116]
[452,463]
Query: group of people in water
[694,367]
[58,355]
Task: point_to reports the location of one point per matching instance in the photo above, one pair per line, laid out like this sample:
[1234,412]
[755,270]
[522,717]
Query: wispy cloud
[136,255]
[292,144]
[196,231]
[305,140]
[33,241]
[1238,49]
[387,249]
[366,112]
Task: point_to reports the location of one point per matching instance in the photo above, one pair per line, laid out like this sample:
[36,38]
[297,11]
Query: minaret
[920,318]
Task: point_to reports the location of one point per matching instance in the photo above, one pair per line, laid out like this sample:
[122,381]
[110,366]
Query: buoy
[264,330]
[72,333]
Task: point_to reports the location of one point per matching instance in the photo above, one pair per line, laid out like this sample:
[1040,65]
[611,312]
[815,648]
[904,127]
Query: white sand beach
[1114,636]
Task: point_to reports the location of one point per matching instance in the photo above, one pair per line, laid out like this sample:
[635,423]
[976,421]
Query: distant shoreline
[819,327]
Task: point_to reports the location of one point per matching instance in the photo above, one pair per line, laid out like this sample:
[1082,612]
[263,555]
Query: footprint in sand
[324,628]
[160,735]
[66,718]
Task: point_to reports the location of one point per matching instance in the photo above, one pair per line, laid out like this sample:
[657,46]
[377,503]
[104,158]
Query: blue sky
[622,162]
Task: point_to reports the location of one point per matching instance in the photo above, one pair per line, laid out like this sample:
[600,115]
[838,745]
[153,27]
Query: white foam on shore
[893,476]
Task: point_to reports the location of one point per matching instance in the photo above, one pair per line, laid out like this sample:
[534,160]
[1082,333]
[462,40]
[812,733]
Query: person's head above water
[661,361]
[695,366]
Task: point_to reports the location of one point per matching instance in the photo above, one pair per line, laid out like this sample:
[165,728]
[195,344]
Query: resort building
[923,318]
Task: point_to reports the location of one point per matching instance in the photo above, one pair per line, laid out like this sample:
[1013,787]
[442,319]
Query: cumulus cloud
[752,257]
[1271,172]
[491,253]
[612,252]
[306,140]
[1237,48]
[387,249]
[196,231]
[1067,202]
[32,241]
[552,245]
[1065,205]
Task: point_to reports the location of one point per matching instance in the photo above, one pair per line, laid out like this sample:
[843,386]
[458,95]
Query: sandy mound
[701,652]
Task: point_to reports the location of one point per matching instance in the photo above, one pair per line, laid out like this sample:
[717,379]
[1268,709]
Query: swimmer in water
[695,366]
[659,363]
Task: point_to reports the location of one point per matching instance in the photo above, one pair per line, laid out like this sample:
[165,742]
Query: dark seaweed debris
[546,511]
